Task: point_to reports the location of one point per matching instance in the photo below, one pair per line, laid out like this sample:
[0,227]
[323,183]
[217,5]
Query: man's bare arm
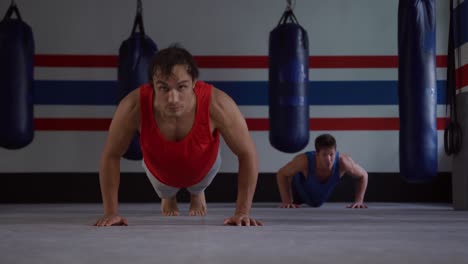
[284,178]
[123,127]
[360,175]
[229,121]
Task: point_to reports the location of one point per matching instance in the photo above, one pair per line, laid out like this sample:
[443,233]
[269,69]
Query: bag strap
[138,22]
[12,9]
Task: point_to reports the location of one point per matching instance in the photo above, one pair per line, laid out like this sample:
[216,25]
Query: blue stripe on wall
[244,93]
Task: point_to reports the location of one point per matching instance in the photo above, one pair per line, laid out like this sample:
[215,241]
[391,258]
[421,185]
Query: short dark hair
[164,60]
[325,141]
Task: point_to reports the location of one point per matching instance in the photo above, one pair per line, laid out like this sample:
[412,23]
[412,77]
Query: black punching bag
[135,56]
[417,91]
[288,85]
[16,80]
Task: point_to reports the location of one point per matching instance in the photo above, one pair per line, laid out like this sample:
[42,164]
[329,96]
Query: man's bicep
[352,168]
[121,131]
[231,124]
[236,134]
[359,171]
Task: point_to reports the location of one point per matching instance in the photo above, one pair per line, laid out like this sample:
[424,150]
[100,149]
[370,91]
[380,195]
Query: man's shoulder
[345,161]
[344,157]
[133,96]
[219,99]
[131,102]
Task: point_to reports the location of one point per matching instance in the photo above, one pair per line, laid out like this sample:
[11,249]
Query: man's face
[174,93]
[326,157]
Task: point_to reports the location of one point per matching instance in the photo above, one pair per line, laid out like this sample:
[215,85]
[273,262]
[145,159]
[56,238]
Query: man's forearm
[361,186]
[247,182]
[109,177]
[284,187]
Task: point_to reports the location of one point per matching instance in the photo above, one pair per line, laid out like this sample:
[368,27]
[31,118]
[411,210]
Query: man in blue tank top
[311,177]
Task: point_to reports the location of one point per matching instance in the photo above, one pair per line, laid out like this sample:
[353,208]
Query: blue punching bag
[288,85]
[417,91]
[135,56]
[16,80]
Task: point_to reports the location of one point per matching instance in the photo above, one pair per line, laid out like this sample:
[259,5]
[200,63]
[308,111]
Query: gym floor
[384,233]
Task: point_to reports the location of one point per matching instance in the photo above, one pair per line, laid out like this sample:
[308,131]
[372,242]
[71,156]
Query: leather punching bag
[288,85]
[417,91]
[135,56]
[16,80]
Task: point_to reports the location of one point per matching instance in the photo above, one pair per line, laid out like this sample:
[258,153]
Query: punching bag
[288,85]
[417,91]
[135,56]
[16,80]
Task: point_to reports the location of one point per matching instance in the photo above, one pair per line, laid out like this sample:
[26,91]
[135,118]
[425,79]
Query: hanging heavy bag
[135,56]
[16,80]
[288,85]
[417,91]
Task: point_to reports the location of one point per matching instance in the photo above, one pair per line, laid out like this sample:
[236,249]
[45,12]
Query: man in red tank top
[180,120]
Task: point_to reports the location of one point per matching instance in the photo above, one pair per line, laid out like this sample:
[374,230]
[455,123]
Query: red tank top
[179,163]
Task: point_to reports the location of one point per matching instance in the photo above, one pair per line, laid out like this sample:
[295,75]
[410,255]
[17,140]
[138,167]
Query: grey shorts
[165,191]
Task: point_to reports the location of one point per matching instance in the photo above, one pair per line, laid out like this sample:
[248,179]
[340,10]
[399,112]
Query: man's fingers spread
[230,221]
[258,223]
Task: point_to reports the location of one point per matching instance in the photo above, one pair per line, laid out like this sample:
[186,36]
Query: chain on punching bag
[453,133]
[16,80]
[417,91]
[135,56]
[288,85]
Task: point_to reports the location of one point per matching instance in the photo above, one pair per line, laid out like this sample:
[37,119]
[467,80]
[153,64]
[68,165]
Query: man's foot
[169,207]
[197,204]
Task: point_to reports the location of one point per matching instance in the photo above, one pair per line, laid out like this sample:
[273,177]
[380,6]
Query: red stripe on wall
[254,124]
[85,61]
[353,62]
[354,124]
[72,124]
[363,61]
[239,62]
[232,62]
[344,124]
[461,79]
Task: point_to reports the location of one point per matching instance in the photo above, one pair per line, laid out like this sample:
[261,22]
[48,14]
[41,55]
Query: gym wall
[353,90]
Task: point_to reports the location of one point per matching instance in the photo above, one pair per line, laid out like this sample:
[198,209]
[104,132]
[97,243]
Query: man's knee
[198,188]
[166,194]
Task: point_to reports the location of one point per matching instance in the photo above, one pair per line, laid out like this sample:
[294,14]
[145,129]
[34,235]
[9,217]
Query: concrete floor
[384,233]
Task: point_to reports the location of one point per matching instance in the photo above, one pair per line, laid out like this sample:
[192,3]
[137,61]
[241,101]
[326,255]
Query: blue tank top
[311,190]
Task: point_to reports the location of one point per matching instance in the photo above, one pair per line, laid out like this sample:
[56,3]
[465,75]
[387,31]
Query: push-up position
[311,177]
[180,120]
